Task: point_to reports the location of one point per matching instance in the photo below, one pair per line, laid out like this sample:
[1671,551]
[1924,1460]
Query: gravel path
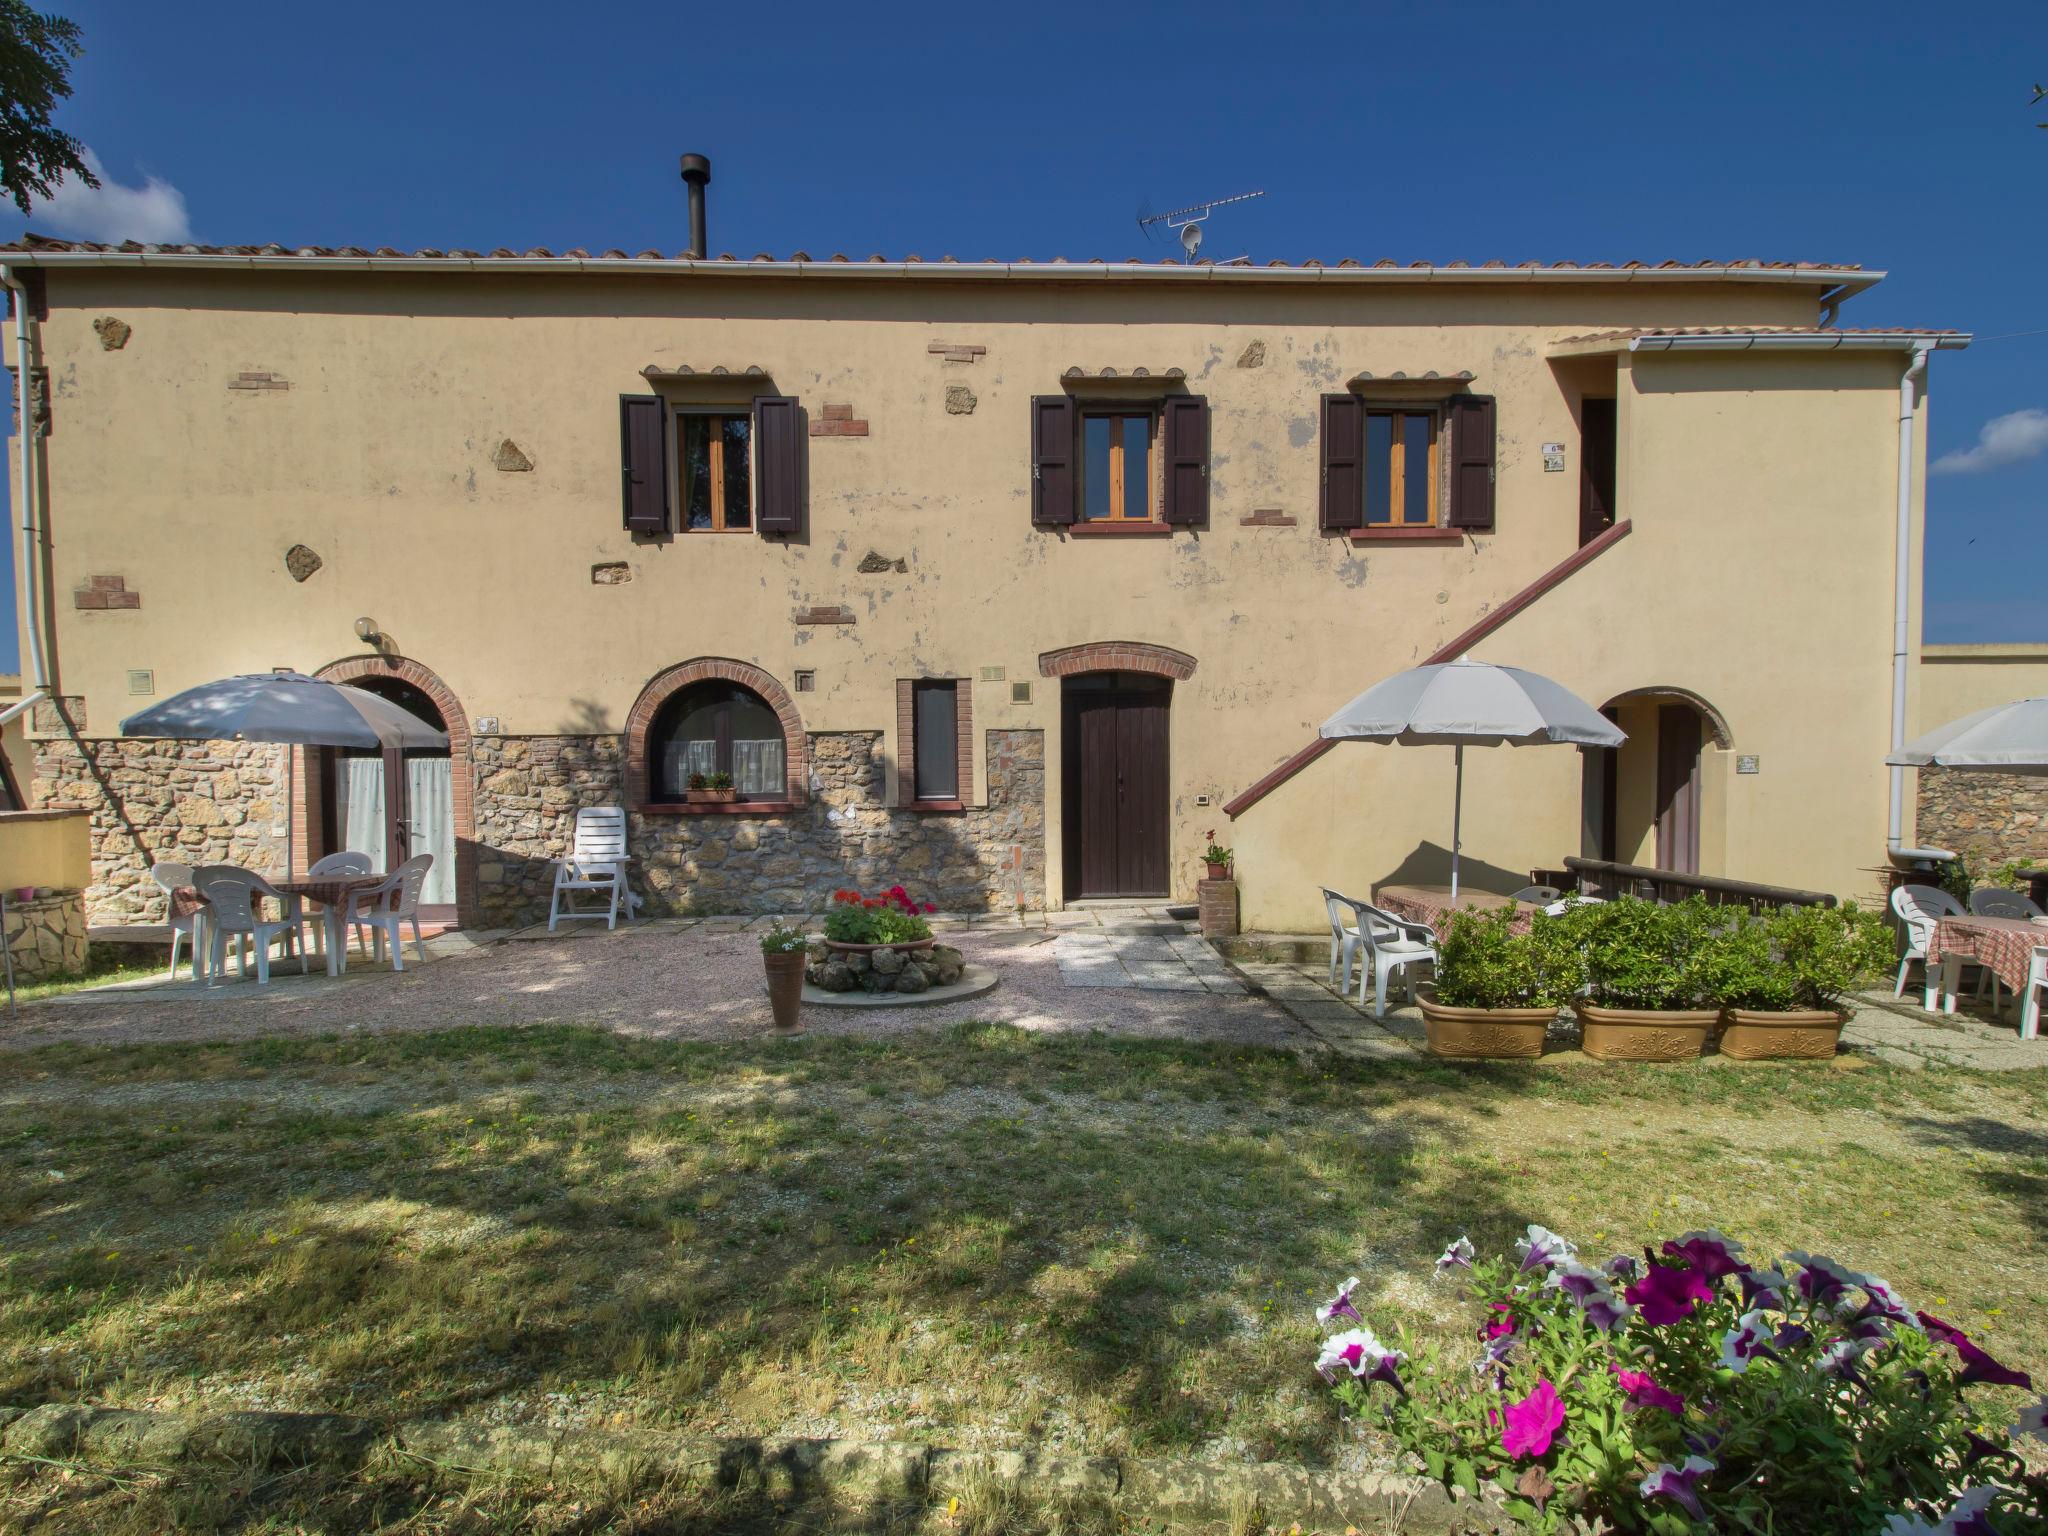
[691,985]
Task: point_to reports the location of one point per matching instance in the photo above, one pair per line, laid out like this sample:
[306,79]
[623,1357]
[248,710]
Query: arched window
[717,727]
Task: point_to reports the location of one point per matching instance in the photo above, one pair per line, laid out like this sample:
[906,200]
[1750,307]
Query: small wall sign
[1553,458]
[487,725]
[1749,765]
[142,680]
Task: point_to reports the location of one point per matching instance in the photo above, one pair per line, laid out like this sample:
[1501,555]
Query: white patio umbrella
[1470,703]
[2006,738]
[286,708]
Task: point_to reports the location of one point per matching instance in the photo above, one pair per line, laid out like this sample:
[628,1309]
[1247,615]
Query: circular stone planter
[974,981]
[1749,1034]
[1484,1032]
[910,946]
[1645,1034]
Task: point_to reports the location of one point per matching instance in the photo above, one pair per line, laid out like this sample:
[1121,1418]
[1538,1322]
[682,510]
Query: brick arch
[662,686]
[461,769]
[1117,656]
[1716,722]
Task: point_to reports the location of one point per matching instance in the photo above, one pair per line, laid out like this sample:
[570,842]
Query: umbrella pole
[291,798]
[1457,815]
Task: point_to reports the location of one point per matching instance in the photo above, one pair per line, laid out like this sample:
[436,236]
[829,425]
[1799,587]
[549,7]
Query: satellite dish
[1191,239]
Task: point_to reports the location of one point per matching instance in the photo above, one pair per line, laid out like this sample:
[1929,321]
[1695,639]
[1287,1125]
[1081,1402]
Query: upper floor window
[1116,466]
[717,727]
[1400,468]
[717,479]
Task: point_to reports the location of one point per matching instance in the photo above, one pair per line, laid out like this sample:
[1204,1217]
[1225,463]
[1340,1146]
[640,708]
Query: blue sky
[1897,134]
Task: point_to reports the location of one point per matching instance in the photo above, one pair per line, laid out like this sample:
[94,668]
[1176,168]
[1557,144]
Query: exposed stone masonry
[1994,818]
[195,802]
[46,936]
[529,789]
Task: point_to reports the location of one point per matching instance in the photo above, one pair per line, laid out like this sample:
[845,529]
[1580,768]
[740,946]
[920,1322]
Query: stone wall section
[195,802]
[529,789]
[45,936]
[1993,818]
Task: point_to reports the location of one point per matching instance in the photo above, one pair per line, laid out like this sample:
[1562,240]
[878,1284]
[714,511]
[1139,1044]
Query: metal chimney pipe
[697,172]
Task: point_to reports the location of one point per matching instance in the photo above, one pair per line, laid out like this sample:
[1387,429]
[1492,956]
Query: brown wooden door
[1596,468]
[1116,790]
[1678,789]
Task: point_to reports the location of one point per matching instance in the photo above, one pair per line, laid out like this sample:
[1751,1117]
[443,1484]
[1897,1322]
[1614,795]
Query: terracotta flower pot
[1645,1034]
[786,990]
[1484,1032]
[869,949]
[1752,1034]
[711,796]
[1217,871]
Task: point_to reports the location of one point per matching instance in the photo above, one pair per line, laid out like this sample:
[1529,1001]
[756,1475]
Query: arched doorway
[1643,802]
[392,805]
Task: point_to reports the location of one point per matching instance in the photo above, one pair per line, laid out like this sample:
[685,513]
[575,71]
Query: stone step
[1277,948]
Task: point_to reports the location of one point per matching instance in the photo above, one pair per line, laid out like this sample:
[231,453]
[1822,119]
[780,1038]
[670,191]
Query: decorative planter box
[1216,904]
[1645,1034]
[1749,1034]
[908,946]
[710,796]
[1483,1032]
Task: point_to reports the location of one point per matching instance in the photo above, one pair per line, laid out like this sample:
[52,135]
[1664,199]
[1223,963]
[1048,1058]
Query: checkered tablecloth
[1431,905]
[2005,944]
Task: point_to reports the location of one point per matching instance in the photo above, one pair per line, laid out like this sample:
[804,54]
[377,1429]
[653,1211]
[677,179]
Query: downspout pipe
[29,546]
[1911,387]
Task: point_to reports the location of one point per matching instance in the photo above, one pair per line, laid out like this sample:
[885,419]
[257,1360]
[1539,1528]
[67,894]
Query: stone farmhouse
[1012,581]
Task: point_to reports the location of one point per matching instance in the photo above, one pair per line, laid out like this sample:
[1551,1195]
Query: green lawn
[979,1238]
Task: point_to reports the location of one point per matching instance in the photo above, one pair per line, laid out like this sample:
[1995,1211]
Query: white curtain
[430,796]
[361,793]
[757,767]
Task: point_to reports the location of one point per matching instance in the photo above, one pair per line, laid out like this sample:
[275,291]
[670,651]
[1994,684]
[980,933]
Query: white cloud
[153,213]
[2004,440]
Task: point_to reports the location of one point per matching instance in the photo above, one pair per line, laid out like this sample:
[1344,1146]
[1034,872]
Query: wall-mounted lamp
[366,631]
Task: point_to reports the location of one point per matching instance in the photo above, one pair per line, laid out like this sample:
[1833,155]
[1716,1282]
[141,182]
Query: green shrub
[1642,955]
[1482,963]
[1796,957]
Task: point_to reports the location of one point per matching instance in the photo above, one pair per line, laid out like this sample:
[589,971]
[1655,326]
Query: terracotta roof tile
[1753,330]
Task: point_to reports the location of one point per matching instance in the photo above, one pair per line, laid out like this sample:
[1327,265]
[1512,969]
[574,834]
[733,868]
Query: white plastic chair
[1919,908]
[597,862]
[391,902]
[346,863]
[231,909]
[1392,946]
[1997,901]
[187,929]
[2030,1001]
[1343,914]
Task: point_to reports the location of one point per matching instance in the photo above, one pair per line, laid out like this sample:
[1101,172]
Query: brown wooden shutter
[1052,460]
[779,464]
[1184,447]
[1472,461]
[1343,500]
[643,462]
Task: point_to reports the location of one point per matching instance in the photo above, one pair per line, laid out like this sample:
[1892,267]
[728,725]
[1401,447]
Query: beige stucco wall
[1958,680]
[1758,574]
[45,848]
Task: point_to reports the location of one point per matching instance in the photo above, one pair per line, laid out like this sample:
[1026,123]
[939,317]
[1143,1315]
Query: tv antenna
[1188,220]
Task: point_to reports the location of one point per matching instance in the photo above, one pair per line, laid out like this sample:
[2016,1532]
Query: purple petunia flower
[1643,1391]
[1762,1288]
[1357,1351]
[1880,1300]
[1842,1357]
[1970,1514]
[1589,1288]
[1457,1256]
[1977,1365]
[1532,1422]
[1623,1266]
[1607,1311]
[1497,1350]
[1542,1248]
[1669,1292]
[1678,1484]
[1341,1306]
[1502,1325]
[1790,1336]
[2033,1421]
[1821,1279]
[1712,1254]
[1750,1339]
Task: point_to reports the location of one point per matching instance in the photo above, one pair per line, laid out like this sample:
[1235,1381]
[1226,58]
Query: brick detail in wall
[461,767]
[259,381]
[824,613]
[838,421]
[1117,656]
[640,719]
[529,789]
[105,592]
[956,351]
[1266,517]
[1990,818]
[906,738]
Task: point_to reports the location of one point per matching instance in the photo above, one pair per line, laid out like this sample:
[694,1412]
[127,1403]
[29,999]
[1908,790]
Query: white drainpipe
[1914,377]
[29,550]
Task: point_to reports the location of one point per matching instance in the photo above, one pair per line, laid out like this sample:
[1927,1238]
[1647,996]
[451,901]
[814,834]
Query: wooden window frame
[906,745]
[685,414]
[658,739]
[1397,479]
[1154,484]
